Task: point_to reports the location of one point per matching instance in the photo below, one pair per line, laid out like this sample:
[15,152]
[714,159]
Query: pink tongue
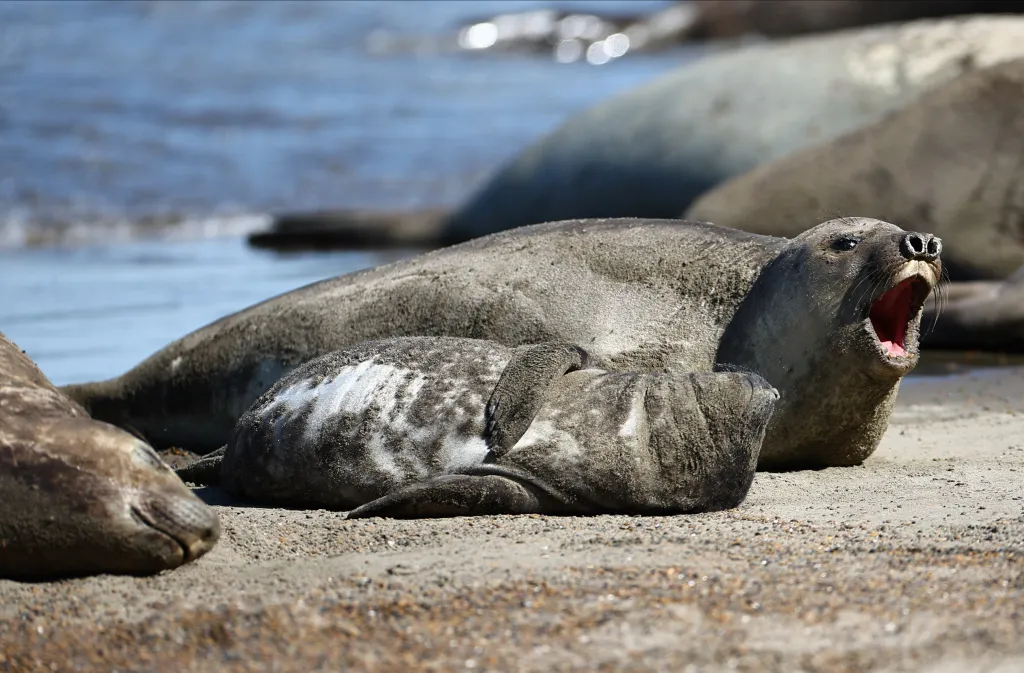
[894,348]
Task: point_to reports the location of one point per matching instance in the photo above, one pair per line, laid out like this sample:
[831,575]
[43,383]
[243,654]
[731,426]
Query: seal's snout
[760,386]
[924,247]
[184,518]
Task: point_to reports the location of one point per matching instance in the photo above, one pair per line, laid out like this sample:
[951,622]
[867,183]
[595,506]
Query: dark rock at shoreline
[353,229]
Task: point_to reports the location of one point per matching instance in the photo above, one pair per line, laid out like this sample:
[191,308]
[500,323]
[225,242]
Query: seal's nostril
[918,246]
[911,246]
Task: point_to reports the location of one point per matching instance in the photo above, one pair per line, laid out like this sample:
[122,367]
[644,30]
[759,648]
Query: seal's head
[834,323]
[720,420]
[889,273]
[83,497]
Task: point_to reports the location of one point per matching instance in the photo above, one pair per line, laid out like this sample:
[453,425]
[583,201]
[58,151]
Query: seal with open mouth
[82,497]
[440,426]
[639,295]
[835,323]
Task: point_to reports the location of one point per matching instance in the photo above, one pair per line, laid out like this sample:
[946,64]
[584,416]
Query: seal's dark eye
[845,244]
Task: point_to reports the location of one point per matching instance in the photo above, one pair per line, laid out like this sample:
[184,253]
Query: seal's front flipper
[456,495]
[519,393]
[205,471]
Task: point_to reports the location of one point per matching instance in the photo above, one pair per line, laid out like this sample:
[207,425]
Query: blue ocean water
[118,112]
[117,116]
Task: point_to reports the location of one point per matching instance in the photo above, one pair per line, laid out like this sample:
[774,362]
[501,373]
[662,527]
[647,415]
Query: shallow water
[117,114]
[91,313]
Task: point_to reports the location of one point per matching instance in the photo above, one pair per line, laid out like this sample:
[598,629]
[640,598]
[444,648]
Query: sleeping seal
[830,318]
[952,161]
[421,426]
[82,497]
[651,150]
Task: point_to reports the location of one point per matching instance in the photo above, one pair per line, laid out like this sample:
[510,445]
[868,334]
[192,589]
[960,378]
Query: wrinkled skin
[83,497]
[638,295]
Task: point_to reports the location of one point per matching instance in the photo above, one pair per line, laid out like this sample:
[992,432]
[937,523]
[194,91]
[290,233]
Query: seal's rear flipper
[519,393]
[456,495]
[205,471]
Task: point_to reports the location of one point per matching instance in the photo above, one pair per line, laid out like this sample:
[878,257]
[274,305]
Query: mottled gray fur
[403,428]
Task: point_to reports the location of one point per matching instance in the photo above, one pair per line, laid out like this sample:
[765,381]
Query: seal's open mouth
[892,313]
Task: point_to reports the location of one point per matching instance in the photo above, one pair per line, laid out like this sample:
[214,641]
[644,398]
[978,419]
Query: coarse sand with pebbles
[912,562]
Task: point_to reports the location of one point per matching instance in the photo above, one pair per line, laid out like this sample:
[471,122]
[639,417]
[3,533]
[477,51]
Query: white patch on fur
[175,363]
[459,452]
[352,391]
[628,429]
[543,430]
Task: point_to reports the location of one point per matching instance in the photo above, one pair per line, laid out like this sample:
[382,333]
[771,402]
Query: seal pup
[811,314]
[438,426]
[952,160]
[82,497]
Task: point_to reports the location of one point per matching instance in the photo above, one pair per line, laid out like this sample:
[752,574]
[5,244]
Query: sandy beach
[913,561]
[143,139]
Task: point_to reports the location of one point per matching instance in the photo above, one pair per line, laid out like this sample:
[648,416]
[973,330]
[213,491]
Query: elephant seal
[981,315]
[650,151]
[730,19]
[830,318]
[440,426]
[951,162]
[82,497]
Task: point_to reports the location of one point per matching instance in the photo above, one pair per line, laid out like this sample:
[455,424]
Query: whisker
[873,282]
[941,293]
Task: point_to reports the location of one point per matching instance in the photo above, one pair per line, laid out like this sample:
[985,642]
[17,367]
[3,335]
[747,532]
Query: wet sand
[913,561]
